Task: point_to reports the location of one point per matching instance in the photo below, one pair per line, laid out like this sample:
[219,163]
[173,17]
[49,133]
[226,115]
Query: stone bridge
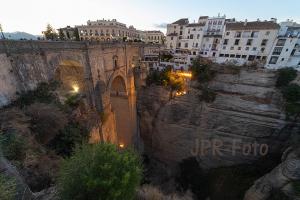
[102,72]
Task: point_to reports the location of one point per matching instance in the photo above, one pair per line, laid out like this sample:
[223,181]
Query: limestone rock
[247,111]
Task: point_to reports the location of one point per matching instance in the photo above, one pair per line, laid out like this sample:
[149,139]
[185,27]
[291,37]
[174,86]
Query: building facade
[107,30]
[247,41]
[286,48]
[156,37]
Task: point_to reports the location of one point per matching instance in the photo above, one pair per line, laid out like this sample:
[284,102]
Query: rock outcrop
[244,122]
[280,178]
[22,190]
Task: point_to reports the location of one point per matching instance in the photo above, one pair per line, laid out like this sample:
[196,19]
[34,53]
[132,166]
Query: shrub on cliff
[43,94]
[13,146]
[202,70]
[100,171]
[71,135]
[7,188]
[285,76]
[208,95]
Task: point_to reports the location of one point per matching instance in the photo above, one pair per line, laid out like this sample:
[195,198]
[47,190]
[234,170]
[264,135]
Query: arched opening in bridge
[70,75]
[120,107]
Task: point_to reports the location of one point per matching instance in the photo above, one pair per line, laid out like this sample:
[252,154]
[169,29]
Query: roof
[252,25]
[196,24]
[182,21]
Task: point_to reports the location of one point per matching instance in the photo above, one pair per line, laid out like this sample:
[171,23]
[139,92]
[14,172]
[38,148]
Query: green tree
[50,33]
[285,76]
[61,34]
[100,171]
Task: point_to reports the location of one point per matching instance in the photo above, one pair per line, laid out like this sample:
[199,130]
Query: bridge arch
[120,104]
[70,74]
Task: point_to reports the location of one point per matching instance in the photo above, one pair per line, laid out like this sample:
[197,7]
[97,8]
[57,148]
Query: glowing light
[75,88]
[185,74]
[121,145]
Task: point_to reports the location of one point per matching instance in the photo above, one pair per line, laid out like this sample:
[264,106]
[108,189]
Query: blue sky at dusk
[32,15]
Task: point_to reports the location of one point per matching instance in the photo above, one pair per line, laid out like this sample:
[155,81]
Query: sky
[32,16]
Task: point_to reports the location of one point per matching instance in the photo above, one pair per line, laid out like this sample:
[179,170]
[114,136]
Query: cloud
[161,25]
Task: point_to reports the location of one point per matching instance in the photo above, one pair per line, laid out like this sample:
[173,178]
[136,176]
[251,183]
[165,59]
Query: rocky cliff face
[244,122]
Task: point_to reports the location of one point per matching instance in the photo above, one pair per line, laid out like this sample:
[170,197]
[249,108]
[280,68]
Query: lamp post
[1,30]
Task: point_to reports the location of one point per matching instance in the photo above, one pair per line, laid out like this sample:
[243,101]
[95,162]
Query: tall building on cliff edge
[223,40]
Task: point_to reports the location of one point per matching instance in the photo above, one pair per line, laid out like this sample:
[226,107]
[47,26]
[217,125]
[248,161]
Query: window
[171,38]
[225,42]
[244,56]
[254,49]
[262,50]
[232,55]
[236,42]
[198,36]
[268,33]
[273,60]
[293,52]
[246,34]
[221,55]
[249,42]
[281,42]
[258,57]
[254,34]
[227,33]
[192,36]
[196,44]
[226,55]
[251,57]
[179,44]
[238,34]
[247,48]
[277,50]
[238,56]
[239,48]
[180,33]
[231,48]
[224,47]
[282,59]
[287,50]
[186,45]
[264,42]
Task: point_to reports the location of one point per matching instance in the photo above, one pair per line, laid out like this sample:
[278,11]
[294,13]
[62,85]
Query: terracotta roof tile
[182,21]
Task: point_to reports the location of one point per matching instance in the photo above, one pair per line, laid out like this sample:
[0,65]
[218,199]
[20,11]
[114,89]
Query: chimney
[258,19]
[245,23]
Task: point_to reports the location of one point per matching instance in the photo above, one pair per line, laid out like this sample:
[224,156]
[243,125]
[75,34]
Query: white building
[247,41]
[175,32]
[213,31]
[107,30]
[286,48]
[153,37]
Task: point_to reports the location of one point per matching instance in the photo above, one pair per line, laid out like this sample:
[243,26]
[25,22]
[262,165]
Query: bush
[43,94]
[285,76]
[13,146]
[73,100]
[201,70]
[291,93]
[7,188]
[100,171]
[208,95]
[67,139]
